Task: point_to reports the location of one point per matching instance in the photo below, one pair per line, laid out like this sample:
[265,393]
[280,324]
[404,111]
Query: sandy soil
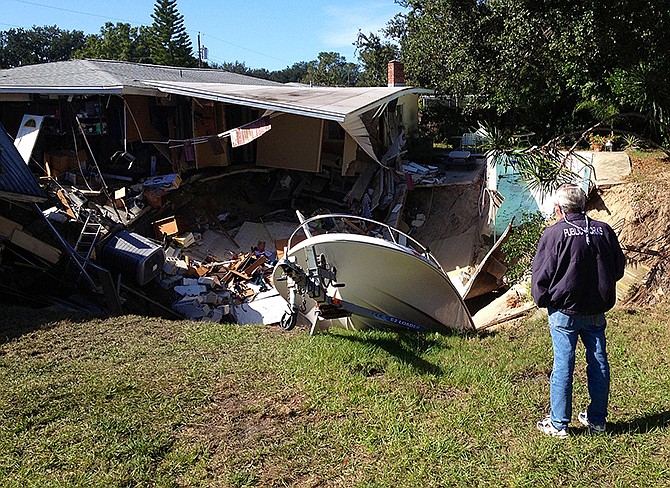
[639,210]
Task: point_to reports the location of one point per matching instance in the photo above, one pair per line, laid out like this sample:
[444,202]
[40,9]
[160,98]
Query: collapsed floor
[220,235]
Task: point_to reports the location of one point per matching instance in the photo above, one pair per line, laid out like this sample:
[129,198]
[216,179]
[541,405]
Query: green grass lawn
[135,401]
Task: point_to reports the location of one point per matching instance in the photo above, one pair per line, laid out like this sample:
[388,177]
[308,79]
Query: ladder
[81,253]
[80,264]
[88,236]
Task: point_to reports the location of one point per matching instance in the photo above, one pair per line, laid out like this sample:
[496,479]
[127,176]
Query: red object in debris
[409,182]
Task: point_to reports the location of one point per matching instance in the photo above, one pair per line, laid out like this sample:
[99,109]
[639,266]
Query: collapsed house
[170,120]
[115,144]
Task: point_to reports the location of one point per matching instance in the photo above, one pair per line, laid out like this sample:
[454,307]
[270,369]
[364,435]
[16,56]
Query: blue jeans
[565,330]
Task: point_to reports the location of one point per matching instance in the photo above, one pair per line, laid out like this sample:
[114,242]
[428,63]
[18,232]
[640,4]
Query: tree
[331,69]
[295,73]
[645,89]
[528,63]
[118,41]
[375,56]
[169,43]
[19,47]
[242,69]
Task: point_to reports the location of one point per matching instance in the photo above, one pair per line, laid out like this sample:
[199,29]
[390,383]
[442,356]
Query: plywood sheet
[293,143]
[35,246]
[138,120]
[209,120]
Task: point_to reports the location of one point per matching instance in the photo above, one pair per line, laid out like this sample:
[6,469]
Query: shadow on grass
[17,321]
[641,425]
[404,348]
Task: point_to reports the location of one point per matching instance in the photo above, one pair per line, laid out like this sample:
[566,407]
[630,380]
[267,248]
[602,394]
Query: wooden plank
[240,274]
[241,263]
[249,270]
[506,317]
[68,210]
[354,227]
[35,246]
[7,227]
[362,182]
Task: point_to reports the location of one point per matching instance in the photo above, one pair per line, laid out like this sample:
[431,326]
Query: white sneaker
[593,428]
[546,426]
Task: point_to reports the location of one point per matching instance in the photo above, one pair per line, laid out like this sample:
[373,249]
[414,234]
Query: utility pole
[202,52]
[199,52]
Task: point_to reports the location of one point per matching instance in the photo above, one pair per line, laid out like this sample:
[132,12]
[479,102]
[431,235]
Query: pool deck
[611,168]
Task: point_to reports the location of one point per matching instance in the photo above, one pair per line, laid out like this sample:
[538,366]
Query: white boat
[347,271]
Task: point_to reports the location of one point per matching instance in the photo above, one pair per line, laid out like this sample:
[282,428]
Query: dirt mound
[639,210]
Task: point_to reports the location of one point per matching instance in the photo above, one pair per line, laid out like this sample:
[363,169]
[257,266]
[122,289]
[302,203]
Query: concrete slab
[512,304]
[634,274]
[611,168]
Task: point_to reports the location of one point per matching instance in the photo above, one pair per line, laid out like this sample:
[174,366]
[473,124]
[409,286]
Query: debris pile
[441,174]
[423,175]
[210,290]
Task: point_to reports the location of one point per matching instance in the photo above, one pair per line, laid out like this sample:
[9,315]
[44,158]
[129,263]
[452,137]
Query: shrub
[521,245]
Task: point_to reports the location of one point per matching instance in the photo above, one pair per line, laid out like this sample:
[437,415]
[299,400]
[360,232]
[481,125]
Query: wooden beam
[7,227]
[35,246]
[249,270]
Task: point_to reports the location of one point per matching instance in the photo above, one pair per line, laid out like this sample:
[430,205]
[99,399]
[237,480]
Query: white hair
[571,198]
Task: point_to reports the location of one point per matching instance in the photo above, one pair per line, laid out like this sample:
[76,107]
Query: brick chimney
[396,73]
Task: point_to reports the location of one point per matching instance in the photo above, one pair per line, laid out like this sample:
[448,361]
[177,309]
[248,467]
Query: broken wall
[209,119]
[293,143]
[454,222]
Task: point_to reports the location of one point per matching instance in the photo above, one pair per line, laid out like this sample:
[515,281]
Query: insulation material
[249,132]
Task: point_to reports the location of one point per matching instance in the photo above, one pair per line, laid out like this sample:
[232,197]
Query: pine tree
[170,44]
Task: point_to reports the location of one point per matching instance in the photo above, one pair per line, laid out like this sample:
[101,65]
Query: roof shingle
[106,74]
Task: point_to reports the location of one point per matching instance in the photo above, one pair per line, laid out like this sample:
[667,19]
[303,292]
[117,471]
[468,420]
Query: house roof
[16,180]
[96,76]
[338,104]
[88,77]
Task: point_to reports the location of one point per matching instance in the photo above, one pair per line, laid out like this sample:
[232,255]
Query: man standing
[575,270]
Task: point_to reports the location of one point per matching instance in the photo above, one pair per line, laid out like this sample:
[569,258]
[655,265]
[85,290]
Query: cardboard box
[170,226]
[155,197]
[58,162]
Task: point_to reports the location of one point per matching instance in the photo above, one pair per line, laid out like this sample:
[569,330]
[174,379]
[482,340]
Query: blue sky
[261,33]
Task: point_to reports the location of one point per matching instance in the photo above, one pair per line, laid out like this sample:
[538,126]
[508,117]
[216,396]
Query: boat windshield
[352,224]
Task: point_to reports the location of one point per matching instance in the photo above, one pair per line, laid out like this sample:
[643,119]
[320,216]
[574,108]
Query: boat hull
[386,284]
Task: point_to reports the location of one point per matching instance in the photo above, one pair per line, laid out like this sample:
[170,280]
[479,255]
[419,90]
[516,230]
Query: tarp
[249,132]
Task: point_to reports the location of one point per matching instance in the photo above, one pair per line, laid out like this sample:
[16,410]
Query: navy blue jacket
[573,276]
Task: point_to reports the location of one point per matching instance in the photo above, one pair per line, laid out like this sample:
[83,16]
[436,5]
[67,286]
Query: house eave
[80,90]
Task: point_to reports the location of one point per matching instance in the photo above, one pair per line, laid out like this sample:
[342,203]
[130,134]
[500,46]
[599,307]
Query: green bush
[521,245]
